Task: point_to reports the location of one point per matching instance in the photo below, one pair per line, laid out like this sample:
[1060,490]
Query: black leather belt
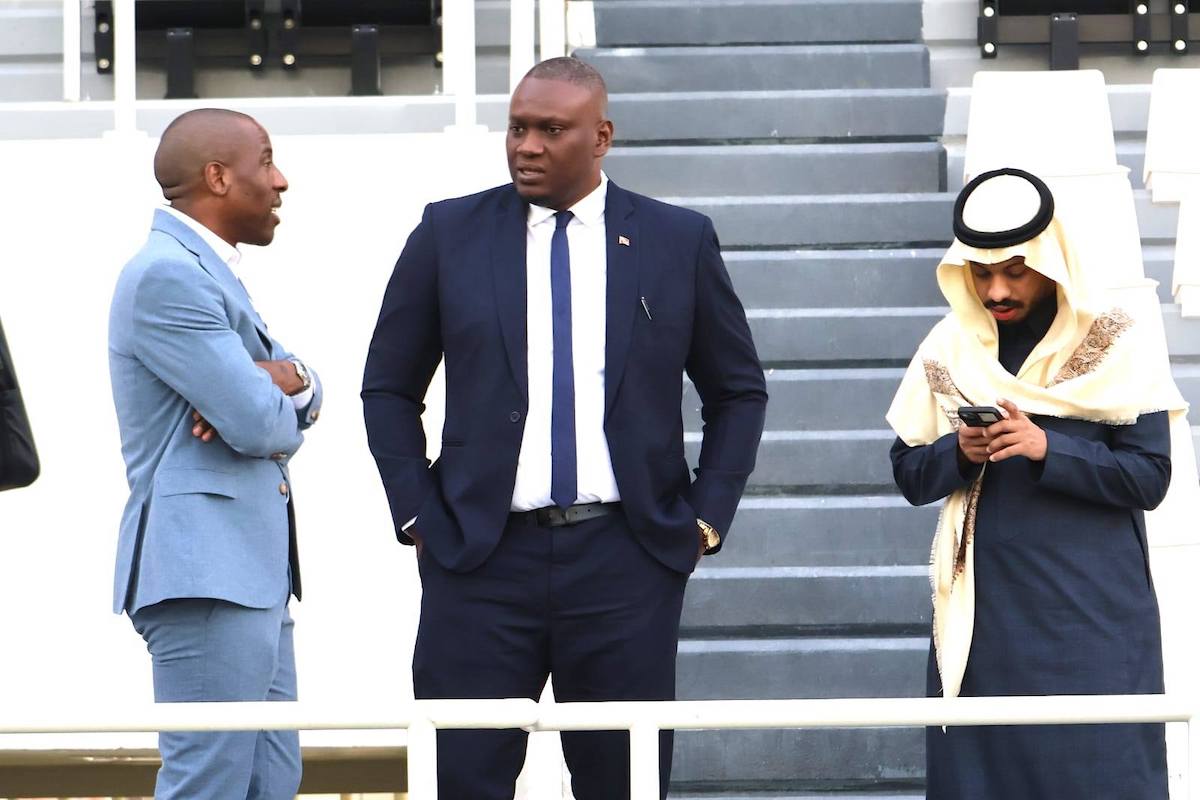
[554,517]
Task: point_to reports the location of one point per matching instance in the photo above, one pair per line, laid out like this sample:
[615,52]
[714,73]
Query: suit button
[278,456]
[514,416]
[283,489]
[314,415]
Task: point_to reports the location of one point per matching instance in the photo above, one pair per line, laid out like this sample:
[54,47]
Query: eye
[554,130]
[517,129]
[980,273]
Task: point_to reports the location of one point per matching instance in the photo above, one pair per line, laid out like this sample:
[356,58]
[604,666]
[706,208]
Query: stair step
[811,667]
[833,66]
[819,462]
[724,22]
[847,220]
[780,600]
[791,760]
[845,530]
[867,278]
[843,336]
[845,462]
[846,399]
[835,795]
[779,114]
[779,169]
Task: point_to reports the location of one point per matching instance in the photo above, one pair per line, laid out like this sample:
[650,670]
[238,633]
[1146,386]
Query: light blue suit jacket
[204,519]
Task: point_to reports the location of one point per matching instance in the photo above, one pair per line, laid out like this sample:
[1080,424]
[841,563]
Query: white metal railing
[458,54]
[644,720]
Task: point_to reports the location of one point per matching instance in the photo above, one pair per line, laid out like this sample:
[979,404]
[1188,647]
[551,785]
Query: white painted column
[458,60]
[70,42]
[520,41]
[553,22]
[124,68]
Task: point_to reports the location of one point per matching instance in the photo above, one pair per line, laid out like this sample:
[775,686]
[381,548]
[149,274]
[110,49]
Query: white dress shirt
[232,257]
[587,243]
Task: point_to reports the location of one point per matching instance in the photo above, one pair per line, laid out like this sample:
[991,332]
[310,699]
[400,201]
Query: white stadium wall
[72,212]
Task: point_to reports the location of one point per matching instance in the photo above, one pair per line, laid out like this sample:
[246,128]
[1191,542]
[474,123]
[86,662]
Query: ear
[604,138]
[217,178]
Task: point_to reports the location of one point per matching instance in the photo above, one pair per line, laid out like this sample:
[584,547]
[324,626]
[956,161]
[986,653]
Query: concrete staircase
[807,131]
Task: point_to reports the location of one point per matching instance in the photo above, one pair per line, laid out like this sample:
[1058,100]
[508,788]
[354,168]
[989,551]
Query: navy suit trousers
[584,604]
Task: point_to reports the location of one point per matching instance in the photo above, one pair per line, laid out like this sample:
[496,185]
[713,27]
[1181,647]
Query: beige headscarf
[1096,364]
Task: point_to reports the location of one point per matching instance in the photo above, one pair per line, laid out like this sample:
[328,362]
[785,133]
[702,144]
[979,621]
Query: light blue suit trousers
[205,649]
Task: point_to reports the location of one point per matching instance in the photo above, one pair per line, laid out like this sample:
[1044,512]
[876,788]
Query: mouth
[1003,313]
[527,174]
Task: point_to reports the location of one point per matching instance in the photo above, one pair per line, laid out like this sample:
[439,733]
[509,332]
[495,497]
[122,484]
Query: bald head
[218,167]
[572,70]
[194,140]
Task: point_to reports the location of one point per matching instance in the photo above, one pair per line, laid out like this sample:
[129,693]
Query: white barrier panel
[83,208]
[1049,123]
[1173,172]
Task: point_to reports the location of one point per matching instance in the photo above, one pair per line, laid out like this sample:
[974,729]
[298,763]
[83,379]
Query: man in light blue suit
[211,410]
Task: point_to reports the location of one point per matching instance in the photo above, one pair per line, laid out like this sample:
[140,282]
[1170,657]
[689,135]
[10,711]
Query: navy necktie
[563,477]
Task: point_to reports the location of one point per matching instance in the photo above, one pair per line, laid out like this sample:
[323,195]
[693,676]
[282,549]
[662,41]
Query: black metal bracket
[1179,27]
[181,64]
[1139,13]
[102,37]
[364,60]
[256,33]
[289,34]
[1064,41]
[989,28]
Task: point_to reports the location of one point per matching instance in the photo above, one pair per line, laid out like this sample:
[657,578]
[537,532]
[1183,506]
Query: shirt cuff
[407,525]
[301,401]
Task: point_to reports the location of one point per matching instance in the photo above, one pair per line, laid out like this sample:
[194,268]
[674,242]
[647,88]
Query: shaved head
[572,70]
[218,167]
[192,141]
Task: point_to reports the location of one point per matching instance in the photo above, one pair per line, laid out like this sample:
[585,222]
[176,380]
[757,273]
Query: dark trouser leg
[614,635]
[483,635]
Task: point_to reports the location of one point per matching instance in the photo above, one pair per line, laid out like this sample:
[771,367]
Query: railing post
[422,759]
[643,761]
[553,22]
[1192,777]
[458,59]
[70,42]
[520,41]
[124,67]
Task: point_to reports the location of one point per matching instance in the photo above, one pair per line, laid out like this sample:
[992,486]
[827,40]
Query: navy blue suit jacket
[459,291]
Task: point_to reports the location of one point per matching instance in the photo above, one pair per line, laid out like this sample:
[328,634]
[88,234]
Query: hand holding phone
[979,416]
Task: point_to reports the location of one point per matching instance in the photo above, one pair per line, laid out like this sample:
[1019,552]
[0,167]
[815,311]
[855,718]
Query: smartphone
[979,416]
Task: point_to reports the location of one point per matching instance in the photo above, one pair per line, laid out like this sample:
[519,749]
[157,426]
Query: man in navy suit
[556,531]
[211,409]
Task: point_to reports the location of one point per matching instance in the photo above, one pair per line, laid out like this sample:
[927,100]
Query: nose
[281,184]
[998,289]
[530,144]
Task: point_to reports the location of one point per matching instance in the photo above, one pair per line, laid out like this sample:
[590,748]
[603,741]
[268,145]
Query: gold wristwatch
[708,535]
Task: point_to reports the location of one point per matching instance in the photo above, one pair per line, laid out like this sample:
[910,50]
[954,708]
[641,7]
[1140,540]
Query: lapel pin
[623,241]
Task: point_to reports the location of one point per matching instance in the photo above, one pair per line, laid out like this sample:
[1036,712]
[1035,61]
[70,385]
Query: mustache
[1004,304]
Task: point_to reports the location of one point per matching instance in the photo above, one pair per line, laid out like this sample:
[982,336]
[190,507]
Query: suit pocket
[195,481]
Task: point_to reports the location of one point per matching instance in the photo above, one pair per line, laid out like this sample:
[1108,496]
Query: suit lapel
[508,276]
[621,231]
[211,263]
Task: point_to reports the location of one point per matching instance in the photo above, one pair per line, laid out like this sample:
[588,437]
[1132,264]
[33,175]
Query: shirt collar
[589,210]
[224,250]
